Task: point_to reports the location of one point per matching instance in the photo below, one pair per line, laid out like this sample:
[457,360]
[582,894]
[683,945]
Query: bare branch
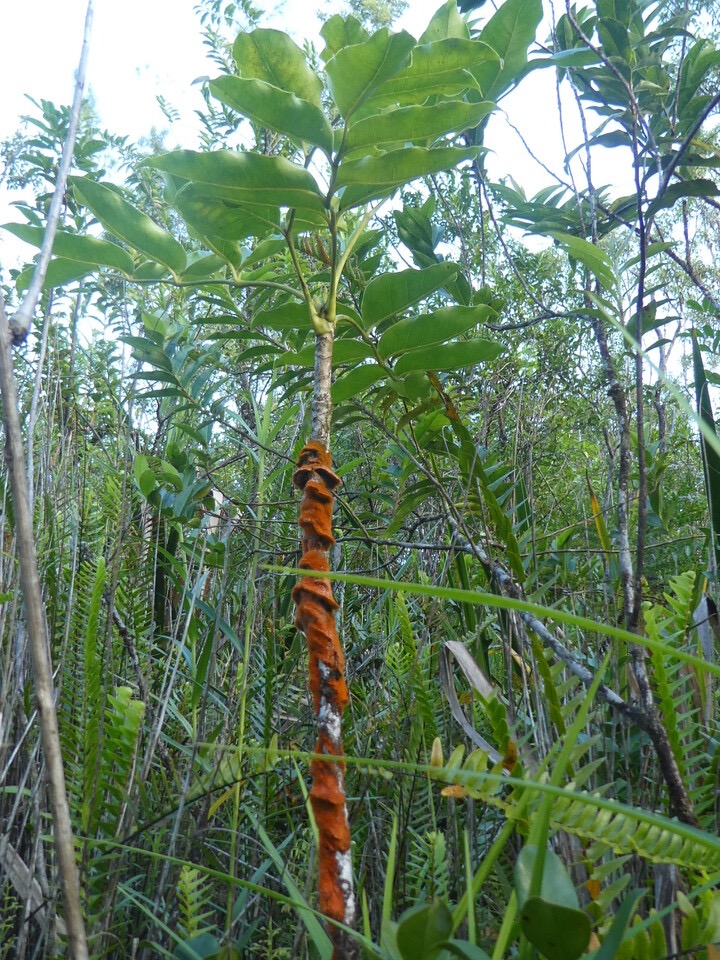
[40,649]
[21,320]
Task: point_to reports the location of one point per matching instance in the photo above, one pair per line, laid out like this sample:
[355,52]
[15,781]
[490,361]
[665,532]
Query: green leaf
[229,251]
[710,456]
[244,177]
[677,191]
[590,255]
[479,473]
[204,946]
[204,268]
[614,39]
[614,936]
[462,948]
[59,272]
[422,929]
[600,525]
[392,293]
[148,270]
[144,476]
[509,32]
[355,72]
[314,927]
[414,386]
[557,887]
[558,932]
[271,56]
[344,351]
[567,58]
[356,381]
[339,32]
[412,124]
[129,224]
[700,59]
[277,109]
[374,177]
[213,215]
[443,68]
[449,356]
[70,246]
[265,250]
[428,328]
[446,22]
[288,316]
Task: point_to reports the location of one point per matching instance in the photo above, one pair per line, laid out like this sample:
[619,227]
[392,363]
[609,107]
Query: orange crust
[315,616]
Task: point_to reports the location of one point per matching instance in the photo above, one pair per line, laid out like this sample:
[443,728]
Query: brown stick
[40,650]
[315,617]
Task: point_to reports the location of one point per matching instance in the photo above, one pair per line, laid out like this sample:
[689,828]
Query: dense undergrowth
[516,664]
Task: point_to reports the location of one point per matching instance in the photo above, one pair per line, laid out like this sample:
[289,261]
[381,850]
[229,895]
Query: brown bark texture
[315,617]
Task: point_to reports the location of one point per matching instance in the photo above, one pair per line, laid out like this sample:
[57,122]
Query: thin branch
[677,157]
[40,649]
[20,322]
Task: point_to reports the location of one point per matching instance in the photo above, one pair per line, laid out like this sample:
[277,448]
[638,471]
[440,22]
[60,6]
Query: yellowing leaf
[454,791]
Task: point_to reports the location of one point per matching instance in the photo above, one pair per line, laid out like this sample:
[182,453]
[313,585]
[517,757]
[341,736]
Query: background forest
[526,487]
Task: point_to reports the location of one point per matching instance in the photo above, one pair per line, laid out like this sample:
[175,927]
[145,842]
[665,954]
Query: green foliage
[482,464]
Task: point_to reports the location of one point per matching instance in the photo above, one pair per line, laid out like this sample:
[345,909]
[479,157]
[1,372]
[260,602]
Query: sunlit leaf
[70,246]
[589,254]
[245,177]
[413,124]
[149,270]
[339,32]
[556,885]
[129,224]
[59,272]
[441,68]
[213,215]
[446,22]
[287,316]
[509,32]
[277,109]
[204,268]
[373,177]
[228,250]
[355,72]
[344,351]
[273,57]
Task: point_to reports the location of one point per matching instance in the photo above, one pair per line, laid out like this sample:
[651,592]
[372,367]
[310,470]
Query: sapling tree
[384,111]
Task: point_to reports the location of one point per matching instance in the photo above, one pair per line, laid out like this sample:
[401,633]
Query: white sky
[143,48]
[139,49]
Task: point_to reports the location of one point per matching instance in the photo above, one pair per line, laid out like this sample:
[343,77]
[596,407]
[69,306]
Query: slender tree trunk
[315,617]
[40,651]
[680,802]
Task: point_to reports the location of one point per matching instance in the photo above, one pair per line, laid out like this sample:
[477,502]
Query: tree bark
[315,617]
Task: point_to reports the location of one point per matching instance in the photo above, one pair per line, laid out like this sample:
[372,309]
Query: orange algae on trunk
[315,617]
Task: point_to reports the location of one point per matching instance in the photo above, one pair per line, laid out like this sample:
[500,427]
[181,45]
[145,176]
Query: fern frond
[193,897]
[93,700]
[626,831]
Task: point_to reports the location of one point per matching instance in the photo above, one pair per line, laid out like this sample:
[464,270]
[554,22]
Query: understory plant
[512,704]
